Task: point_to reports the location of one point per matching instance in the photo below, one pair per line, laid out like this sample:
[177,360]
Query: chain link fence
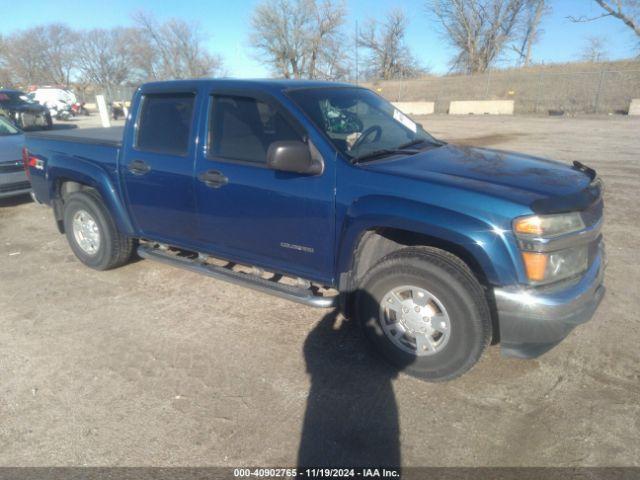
[544,92]
[114,93]
[606,91]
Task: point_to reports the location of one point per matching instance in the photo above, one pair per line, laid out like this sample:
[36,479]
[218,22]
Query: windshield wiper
[412,143]
[382,153]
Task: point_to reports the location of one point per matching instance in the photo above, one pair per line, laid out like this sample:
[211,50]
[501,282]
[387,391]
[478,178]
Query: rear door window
[165,122]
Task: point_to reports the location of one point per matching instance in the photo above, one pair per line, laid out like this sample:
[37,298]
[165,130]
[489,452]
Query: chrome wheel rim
[415,320]
[86,232]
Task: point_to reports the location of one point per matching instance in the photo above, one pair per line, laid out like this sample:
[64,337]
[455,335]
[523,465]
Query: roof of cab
[265,84]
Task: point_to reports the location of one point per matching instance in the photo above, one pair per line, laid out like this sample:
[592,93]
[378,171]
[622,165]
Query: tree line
[293,38]
[149,50]
[307,38]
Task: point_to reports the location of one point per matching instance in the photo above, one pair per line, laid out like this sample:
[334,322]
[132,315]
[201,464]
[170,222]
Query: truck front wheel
[92,232]
[425,312]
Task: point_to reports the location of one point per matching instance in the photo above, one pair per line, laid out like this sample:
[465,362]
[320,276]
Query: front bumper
[532,321]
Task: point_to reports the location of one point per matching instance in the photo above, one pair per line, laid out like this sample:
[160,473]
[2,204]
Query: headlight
[555,266]
[548,225]
[551,265]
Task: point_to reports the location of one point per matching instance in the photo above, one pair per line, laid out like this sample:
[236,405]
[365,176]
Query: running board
[290,292]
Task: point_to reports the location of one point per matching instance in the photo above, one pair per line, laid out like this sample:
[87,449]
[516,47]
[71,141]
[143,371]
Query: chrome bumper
[533,321]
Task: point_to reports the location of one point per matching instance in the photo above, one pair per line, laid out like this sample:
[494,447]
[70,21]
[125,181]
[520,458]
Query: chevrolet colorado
[325,194]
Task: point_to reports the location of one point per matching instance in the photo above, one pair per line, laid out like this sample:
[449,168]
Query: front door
[278,220]
[157,169]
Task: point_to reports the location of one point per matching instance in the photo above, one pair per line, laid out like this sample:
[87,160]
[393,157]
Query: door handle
[213,179]
[138,167]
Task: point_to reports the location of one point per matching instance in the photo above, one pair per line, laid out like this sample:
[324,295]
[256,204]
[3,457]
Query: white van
[53,97]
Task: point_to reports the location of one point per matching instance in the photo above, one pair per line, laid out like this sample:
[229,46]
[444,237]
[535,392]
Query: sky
[226,24]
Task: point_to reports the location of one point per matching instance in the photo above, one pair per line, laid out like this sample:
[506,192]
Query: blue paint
[465,196]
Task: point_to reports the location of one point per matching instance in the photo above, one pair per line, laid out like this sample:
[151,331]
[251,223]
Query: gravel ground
[150,365]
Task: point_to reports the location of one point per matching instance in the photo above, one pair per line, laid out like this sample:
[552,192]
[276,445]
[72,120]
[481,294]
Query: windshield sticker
[400,117]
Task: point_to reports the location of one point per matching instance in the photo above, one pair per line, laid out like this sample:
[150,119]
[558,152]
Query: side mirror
[293,156]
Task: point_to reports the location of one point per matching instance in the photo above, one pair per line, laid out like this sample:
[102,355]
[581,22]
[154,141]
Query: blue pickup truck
[326,194]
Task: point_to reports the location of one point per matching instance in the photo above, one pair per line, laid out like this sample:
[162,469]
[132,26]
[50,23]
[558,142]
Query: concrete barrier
[481,107]
[104,113]
[415,108]
[634,107]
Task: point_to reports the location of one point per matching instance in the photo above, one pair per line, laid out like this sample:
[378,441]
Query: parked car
[333,197]
[53,95]
[25,113]
[62,103]
[13,180]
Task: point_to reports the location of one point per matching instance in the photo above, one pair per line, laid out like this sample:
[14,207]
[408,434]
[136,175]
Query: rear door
[279,220]
[157,167]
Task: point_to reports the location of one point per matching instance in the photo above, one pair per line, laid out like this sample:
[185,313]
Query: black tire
[114,248]
[456,287]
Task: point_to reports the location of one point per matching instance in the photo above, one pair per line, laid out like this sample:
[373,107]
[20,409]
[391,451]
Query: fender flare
[492,249]
[77,169]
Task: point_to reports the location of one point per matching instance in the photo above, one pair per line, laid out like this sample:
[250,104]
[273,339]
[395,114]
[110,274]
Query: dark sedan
[25,114]
[13,179]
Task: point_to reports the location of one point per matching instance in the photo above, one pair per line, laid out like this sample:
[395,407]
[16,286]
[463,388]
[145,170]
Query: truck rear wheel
[92,232]
[425,312]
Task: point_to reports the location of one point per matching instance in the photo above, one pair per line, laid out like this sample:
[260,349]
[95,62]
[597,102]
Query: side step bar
[296,294]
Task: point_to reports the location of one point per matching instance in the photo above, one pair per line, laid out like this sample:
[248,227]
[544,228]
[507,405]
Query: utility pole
[356,40]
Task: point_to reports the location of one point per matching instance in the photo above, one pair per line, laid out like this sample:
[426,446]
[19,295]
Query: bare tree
[300,38]
[5,75]
[533,12]
[628,11]
[173,49]
[325,50]
[104,57]
[144,56]
[479,30]
[43,54]
[389,56]
[57,43]
[594,50]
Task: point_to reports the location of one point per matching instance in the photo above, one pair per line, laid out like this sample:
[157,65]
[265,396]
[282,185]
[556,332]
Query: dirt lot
[149,365]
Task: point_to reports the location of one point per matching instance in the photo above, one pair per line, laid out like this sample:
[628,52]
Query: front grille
[11,167]
[14,187]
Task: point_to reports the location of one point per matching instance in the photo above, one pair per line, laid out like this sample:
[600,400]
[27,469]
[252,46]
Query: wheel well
[64,188]
[377,243]
[380,242]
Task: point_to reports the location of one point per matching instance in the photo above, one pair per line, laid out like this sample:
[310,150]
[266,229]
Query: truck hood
[520,177]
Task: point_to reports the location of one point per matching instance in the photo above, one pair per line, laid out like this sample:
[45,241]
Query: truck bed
[111,137]
[91,152]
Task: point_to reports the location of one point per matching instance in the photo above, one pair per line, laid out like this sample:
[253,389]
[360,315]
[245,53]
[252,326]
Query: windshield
[6,128]
[360,123]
